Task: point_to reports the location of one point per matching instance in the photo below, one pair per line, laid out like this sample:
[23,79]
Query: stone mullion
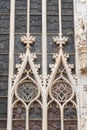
[27,118]
[60,19]
[11,63]
[44,38]
[28,17]
[44,63]
[62,119]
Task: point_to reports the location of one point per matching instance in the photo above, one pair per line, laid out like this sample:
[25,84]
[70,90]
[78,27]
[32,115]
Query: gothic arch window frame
[61,55]
[62,80]
[62,106]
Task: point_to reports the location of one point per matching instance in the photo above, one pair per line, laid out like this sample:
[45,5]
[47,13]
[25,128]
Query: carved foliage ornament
[28,40]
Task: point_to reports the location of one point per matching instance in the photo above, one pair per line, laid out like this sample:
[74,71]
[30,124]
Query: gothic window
[41,94]
[62,110]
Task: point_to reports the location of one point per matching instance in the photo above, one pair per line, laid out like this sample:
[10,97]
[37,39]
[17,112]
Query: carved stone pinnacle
[28,40]
[60,41]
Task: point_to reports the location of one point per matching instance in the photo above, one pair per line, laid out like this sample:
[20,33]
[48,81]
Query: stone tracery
[27,91]
[61,91]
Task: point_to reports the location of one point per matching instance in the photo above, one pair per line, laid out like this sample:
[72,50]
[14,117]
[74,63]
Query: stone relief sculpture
[84,120]
[81,31]
[81,44]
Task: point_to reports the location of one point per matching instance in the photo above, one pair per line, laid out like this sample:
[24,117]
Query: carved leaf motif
[27,91]
[22,57]
[59,41]
[33,56]
[28,40]
[51,66]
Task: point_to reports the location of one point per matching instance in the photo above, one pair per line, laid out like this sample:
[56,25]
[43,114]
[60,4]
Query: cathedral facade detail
[47,64]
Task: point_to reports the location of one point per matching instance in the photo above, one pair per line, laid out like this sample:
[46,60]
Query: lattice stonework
[27,91]
[61,91]
[38,100]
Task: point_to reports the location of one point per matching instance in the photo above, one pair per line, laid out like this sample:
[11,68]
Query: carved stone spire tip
[60,40]
[28,40]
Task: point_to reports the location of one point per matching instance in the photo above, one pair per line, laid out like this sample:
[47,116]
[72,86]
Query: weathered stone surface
[3,85]
[53,111]
[19,125]
[3,125]
[51,46]
[20,24]
[35,125]
[19,111]
[69,1]
[35,111]
[69,47]
[67,5]
[4,43]
[21,6]
[4,6]
[70,125]
[35,24]
[67,8]
[52,6]
[37,46]
[4,23]
[35,6]
[67,23]
[3,107]
[54,125]
[3,64]
[52,24]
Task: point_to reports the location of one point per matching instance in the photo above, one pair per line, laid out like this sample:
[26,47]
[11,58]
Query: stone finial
[60,41]
[28,40]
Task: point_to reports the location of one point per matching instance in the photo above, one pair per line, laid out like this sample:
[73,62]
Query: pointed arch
[45,85]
